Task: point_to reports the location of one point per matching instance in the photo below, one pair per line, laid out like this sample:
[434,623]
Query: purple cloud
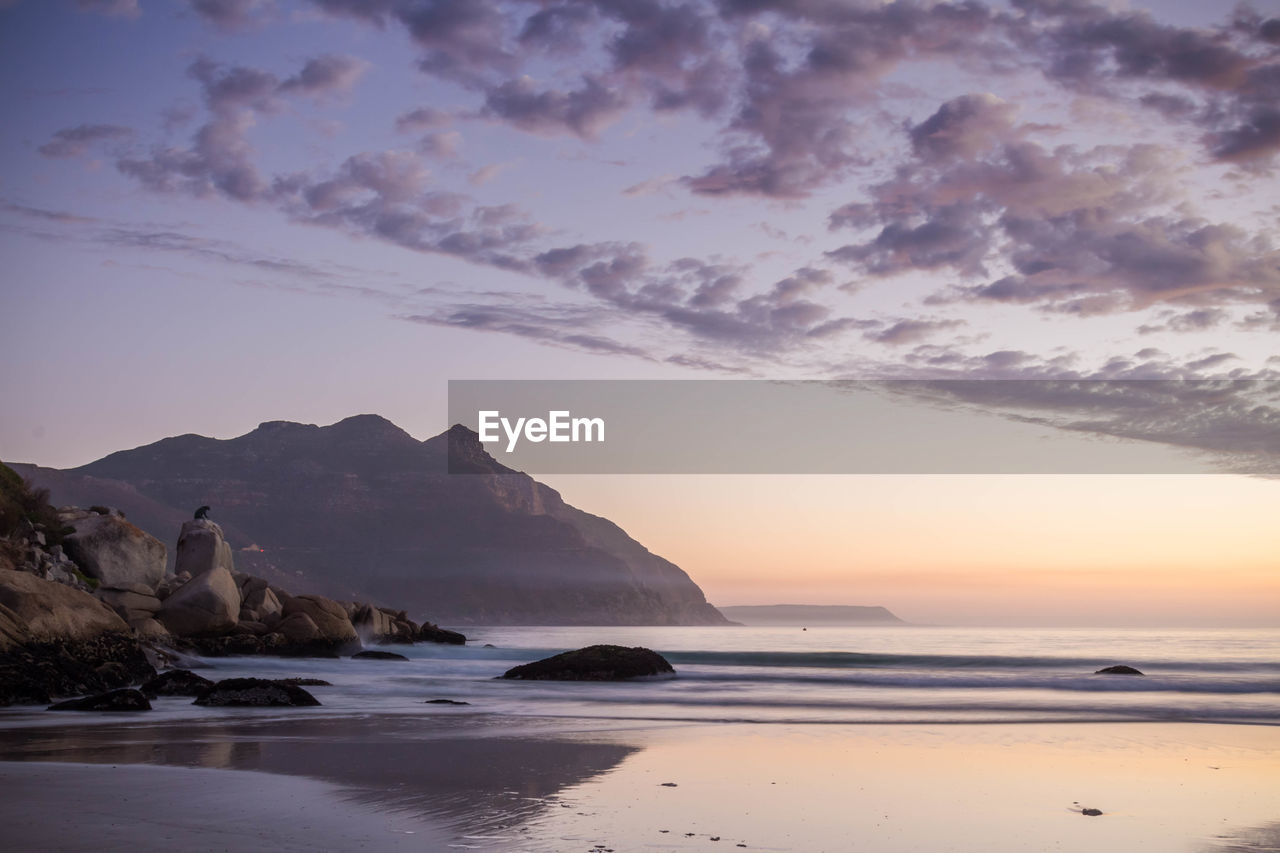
[75,141]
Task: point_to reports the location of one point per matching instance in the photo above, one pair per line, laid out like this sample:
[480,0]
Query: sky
[215,213]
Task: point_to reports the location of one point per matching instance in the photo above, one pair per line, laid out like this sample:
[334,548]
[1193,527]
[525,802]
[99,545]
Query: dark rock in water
[176,682]
[369,654]
[594,663]
[444,702]
[1118,670]
[1091,812]
[305,682]
[255,692]
[116,700]
[429,633]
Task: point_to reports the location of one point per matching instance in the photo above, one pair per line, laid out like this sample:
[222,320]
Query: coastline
[493,782]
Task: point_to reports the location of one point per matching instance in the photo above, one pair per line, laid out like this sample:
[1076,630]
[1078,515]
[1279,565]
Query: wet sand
[101,808]
[549,785]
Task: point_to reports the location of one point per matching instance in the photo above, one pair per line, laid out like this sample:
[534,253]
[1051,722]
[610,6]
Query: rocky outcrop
[255,692]
[176,682]
[114,552]
[594,663]
[373,654]
[126,699]
[209,603]
[59,641]
[1118,670]
[202,547]
[496,547]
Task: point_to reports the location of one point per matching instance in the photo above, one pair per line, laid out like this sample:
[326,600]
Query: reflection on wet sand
[426,767]
[1255,839]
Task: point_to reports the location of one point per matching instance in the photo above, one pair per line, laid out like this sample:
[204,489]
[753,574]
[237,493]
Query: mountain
[803,615]
[361,509]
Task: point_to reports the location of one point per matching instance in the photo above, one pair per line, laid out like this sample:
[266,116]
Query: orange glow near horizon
[1064,550]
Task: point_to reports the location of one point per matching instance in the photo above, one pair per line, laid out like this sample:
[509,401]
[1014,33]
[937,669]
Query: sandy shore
[546,786]
[98,808]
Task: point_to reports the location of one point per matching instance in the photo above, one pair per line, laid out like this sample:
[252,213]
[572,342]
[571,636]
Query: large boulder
[209,603]
[202,548]
[329,616]
[60,641]
[52,611]
[116,553]
[255,692]
[594,663]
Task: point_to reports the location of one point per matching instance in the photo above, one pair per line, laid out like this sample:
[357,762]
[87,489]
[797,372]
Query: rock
[255,692]
[375,655]
[257,629]
[299,628]
[176,682]
[444,702]
[226,644]
[1091,812]
[1118,670]
[251,584]
[429,633]
[260,601]
[147,628]
[50,611]
[127,601]
[305,682]
[594,663]
[112,550]
[202,548]
[329,617]
[115,700]
[207,604]
[59,641]
[370,623]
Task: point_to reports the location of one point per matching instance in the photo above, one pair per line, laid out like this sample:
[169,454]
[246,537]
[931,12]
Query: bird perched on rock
[202,512]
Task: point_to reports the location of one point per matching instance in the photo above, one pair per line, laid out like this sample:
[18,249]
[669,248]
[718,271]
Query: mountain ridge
[362,509]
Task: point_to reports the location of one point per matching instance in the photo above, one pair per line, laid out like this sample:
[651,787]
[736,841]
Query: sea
[818,675]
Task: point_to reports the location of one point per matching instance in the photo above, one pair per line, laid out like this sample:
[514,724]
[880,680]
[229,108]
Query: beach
[1186,758]
[389,784]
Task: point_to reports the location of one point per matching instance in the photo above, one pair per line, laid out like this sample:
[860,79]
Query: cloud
[1099,49]
[423,118]
[220,158]
[584,111]
[1080,231]
[115,8]
[229,15]
[75,141]
[325,75]
[1235,423]
[910,331]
